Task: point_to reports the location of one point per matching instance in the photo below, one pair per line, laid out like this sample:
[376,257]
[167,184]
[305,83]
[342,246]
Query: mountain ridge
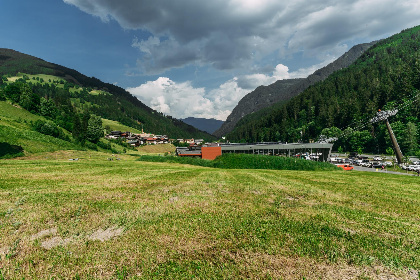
[266,96]
[207,125]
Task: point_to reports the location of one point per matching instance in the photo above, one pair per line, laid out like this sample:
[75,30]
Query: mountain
[283,90]
[207,125]
[386,76]
[114,103]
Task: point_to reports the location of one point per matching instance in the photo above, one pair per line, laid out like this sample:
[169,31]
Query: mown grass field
[125,219]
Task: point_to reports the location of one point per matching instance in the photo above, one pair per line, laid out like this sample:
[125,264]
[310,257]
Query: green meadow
[96,218]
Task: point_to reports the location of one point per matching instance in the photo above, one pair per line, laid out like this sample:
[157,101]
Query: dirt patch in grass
[104,235]
[44,233]
[3,251]
[54,242]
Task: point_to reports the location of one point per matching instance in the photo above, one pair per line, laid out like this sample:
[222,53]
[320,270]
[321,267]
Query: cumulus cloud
[231,34]
[182,100]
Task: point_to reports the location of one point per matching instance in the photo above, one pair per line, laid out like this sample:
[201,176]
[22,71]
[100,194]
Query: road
[360,168]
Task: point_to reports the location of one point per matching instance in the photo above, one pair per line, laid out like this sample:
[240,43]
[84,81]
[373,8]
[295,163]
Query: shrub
[244,161]
[10,151]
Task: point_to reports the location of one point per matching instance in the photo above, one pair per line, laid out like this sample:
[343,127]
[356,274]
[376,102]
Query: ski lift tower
[383,116]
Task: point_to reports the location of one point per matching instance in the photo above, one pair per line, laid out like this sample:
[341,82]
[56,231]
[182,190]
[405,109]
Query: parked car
[377,158]
[377,165]
[366,163]
[413,167]
[345,167]
[358,161]
[388,163]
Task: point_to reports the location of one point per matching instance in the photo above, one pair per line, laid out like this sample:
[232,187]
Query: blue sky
[197,58]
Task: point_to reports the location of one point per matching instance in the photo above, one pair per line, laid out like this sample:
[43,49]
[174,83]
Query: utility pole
[383,116]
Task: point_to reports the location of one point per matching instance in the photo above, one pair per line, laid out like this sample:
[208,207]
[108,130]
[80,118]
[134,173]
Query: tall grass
[245,161]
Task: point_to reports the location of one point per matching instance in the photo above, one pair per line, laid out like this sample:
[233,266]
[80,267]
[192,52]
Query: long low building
[314,151]
[317,151]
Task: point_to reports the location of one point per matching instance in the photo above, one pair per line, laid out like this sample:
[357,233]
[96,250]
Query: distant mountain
[207,125]
[284,90]
[118,105]
[386,77]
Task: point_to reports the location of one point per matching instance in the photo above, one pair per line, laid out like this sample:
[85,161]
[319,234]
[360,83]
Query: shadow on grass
[10,151]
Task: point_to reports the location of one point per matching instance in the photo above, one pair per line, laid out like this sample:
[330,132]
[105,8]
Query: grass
[10,113]
[245,161]
[32,141]
[117,126]
[169,220]
[50,79]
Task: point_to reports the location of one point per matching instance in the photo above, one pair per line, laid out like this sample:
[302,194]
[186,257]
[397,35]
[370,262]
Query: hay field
[124,219]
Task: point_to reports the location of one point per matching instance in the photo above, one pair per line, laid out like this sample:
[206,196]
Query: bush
[244,161]
[50,128]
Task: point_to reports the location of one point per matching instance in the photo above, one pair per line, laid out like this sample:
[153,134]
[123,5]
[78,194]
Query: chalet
[151,140]
[114,135]
[198,141]
[134,143]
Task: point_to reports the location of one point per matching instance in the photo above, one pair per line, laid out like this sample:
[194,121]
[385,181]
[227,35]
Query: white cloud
[180,100]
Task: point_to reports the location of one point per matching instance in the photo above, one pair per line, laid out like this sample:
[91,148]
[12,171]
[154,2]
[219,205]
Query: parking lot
[361,168]
[370,169]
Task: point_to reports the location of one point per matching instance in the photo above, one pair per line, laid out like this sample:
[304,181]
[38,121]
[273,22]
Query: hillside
[207,125]
[283,90]
[384,77]
[78,89]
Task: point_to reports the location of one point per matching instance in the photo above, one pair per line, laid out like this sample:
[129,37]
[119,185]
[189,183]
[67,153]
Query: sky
[192,58]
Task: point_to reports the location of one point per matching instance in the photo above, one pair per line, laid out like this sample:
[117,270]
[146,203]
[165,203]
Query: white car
[358,161]
[366,164]
[388,163]
[413,167]
[377,158]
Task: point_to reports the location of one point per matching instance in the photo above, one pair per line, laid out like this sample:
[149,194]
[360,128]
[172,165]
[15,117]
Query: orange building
[205,152]
[211,152]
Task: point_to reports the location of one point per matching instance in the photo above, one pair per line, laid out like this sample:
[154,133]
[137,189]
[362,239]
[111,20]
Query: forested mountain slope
[283,90]
[113,103]
[385,76]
